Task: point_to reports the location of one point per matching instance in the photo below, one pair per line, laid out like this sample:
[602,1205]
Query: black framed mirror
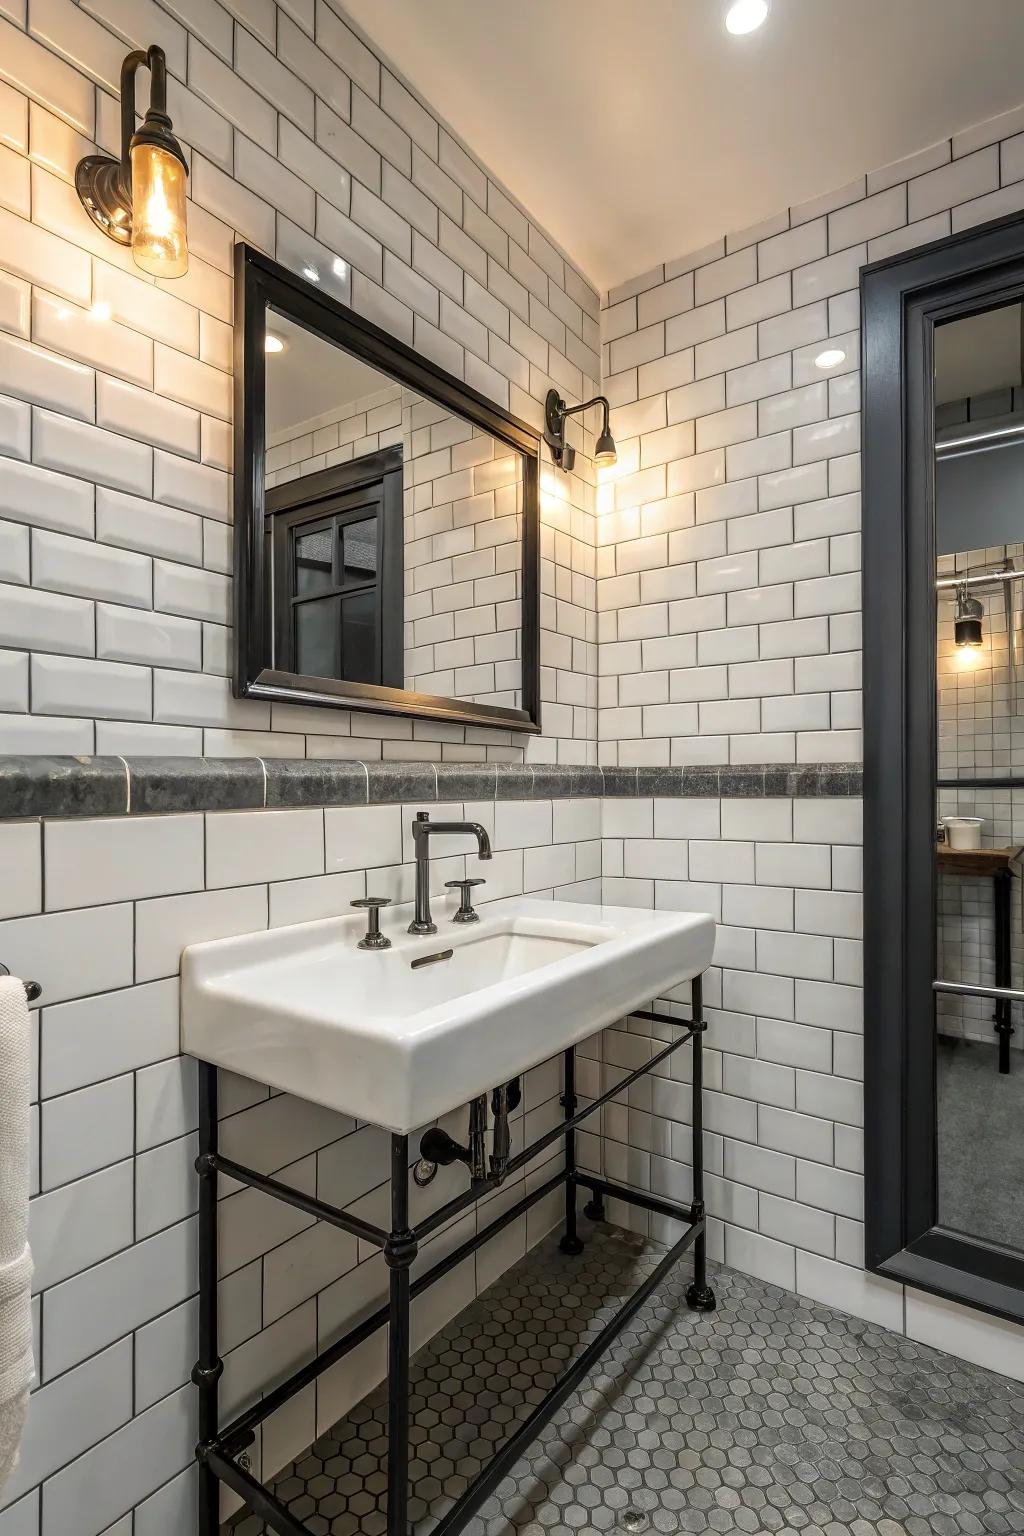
[943,445]
[387,547]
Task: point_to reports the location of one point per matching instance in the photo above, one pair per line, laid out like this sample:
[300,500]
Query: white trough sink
[374,1035]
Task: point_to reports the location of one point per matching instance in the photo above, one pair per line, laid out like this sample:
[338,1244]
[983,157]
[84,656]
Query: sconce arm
[130,64]
[601,400]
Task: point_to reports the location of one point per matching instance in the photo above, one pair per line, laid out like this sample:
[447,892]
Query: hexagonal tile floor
[770,1415]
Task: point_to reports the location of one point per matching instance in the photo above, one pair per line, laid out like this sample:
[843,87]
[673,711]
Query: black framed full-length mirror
[943,397]
[386,517]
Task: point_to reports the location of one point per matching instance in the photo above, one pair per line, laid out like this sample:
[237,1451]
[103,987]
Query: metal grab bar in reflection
[968,989]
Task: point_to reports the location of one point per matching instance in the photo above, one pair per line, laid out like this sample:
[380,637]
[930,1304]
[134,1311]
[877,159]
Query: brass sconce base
[98,183]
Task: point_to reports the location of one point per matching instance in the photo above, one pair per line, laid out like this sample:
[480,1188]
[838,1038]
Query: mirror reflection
[979,539]
[393,530]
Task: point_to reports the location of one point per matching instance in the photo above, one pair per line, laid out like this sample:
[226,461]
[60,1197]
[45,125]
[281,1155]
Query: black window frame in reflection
[333,499]
[903,299]
[262,284]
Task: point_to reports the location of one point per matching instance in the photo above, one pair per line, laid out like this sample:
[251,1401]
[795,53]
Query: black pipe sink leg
[594,1209]
[570,1242]
[700,1298]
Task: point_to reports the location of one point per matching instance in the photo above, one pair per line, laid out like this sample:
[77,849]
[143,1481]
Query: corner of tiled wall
[115,536]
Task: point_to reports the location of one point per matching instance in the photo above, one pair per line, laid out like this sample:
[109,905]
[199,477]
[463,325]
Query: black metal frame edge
[901,301]
[218,1447]
[260,280]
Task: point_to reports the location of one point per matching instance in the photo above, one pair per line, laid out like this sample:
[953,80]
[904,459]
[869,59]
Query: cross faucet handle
[466,913]
[373,938]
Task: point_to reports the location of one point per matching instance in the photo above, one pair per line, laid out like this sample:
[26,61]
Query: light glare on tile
[311,274]
[273,343]
[746,16]
[100,310]
[830,358]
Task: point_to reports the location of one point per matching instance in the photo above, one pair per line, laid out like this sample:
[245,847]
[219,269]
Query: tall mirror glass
[979,543]
[389,557]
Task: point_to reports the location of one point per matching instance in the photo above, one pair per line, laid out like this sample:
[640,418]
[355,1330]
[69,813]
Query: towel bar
[33,991]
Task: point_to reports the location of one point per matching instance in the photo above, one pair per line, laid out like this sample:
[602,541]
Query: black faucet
[422,831]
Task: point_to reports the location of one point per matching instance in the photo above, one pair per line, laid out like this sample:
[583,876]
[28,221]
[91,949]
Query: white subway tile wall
[717,566]
[98,911]
[728,589]
[116,390]
[729,605]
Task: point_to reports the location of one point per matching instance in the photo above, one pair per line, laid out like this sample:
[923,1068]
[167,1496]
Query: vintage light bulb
[159,243]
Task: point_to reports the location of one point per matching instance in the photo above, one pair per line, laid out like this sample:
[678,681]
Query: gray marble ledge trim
[145,786]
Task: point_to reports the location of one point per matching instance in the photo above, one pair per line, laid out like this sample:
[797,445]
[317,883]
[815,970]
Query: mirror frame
[903,298]
[260,282]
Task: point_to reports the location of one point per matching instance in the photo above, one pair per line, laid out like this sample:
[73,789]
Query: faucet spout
[422,831]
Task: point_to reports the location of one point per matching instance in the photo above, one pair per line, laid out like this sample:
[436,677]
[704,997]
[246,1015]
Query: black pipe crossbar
[312,1207]
[255,1495]
[464,1508]
[242,1427]
[218,1449]
[482,1186]
[670,1208]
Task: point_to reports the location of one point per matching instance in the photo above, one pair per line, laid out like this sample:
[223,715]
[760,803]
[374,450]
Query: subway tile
[77,448]
[121,1470]
[72,1414]
[29,66]
[46,378]
[88,1130]
[123,408]
[99,342]
[245,847]
[167,925]
[963,179]
[85,569]
[122,859]
[46,621]
[68,685]
[80,1224]
[100,1037]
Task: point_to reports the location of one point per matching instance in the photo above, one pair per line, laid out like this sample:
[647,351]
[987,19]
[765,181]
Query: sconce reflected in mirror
[967,618]
[139,200]
[555,413]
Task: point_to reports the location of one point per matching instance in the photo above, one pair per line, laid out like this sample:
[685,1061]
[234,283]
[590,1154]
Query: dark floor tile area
[771,1415]
[981,1151]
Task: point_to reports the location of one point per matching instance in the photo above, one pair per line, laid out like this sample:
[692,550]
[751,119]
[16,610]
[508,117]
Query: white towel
[16,1368]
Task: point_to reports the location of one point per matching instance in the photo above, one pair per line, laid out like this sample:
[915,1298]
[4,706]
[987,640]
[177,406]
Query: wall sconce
[139,200]
[967,618]
[555,413]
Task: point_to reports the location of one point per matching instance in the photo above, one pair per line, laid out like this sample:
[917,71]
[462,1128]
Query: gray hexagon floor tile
[769,1417]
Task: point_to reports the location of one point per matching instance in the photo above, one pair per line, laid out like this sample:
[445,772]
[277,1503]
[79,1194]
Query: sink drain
[633,1520]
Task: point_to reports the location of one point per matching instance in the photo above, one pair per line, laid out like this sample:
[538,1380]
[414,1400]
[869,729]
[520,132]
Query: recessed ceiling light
[746,16]
[272,343]
[830,358]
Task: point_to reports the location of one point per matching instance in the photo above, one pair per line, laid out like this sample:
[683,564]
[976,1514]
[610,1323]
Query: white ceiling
[978,354]
[311,377]
[640,130]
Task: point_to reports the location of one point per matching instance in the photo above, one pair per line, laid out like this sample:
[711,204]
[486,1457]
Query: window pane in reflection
[316,638]
[359,637]
[359,550]
[313,562]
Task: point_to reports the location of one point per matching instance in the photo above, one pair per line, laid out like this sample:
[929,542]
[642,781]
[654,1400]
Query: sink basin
[400,1036]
